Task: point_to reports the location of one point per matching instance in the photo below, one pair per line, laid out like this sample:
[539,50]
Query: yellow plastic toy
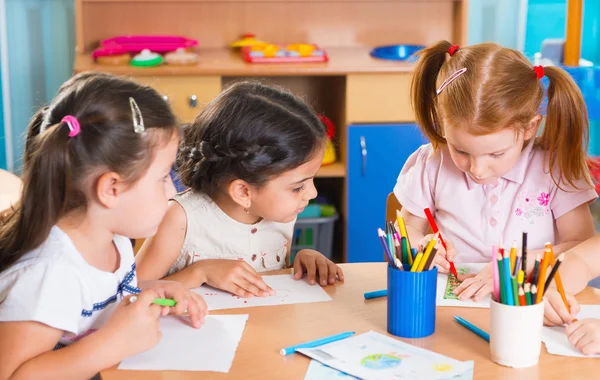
[247,39]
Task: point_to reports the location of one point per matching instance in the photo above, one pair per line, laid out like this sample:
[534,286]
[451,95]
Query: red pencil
[435,230]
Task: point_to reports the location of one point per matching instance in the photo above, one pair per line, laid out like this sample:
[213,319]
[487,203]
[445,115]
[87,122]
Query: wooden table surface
[271,328]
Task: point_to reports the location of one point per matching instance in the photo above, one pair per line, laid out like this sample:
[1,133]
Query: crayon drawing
[453,283]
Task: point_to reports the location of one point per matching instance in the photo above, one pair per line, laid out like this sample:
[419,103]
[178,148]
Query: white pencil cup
[516,334]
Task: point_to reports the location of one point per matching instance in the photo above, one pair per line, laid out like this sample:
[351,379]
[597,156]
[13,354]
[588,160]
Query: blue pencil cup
[411,302]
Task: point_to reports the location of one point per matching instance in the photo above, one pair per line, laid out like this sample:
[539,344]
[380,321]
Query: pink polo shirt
[475,217]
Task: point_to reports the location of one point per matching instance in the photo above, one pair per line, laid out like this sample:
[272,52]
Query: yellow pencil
[402,228]
[513,257]
[428,250]
[542,277]
[416,262]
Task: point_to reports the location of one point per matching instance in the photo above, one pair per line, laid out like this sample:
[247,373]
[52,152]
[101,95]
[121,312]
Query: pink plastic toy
[135,44]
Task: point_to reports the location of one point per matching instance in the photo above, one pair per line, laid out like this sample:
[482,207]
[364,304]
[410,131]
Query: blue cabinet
[376,153]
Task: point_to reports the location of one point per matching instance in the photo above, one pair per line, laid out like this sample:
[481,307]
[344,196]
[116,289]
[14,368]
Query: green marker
[164,302]
[157,301]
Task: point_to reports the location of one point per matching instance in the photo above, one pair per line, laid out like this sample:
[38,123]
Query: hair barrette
[450,79]
[136,114]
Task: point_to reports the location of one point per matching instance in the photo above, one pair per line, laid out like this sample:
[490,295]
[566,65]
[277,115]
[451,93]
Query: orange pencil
[542,277]
[559,284]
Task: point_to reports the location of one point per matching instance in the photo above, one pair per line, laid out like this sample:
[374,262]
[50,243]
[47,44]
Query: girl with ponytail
[492,170]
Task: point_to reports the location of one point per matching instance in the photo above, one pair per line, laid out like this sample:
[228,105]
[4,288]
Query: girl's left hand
[313,262]
[187,300]
[475,286]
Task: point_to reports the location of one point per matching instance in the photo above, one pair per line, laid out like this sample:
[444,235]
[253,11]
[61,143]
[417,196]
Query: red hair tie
[539,71]
[453,49]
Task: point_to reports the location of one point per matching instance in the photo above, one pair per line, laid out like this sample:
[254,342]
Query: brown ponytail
[566,132]
[423,90]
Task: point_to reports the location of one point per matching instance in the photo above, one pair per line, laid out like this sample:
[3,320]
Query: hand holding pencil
[443,256]
[555,310]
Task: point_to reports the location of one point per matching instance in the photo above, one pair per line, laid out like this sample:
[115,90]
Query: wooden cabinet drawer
[186,94]
[378,98]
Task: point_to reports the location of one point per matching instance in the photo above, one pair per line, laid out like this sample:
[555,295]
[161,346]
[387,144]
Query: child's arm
[26,348]
[159,252]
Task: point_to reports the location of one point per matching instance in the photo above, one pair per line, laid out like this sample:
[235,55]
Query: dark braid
[251,132]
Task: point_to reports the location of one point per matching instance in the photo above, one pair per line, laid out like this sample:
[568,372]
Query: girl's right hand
[236,277]
[134,327]
[555,311]
[442,258]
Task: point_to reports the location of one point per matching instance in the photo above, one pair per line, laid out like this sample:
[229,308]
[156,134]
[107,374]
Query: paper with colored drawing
[376,356]
[184,348]
[555,338]
[288,291]
[447,283]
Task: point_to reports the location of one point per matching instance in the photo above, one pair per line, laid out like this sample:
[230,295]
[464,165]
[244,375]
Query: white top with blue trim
[54,285]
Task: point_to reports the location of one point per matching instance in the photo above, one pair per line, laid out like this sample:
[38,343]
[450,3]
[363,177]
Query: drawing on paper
[381,361]
[453,283]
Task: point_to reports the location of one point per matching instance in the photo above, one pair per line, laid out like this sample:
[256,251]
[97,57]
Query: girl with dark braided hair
[249,160]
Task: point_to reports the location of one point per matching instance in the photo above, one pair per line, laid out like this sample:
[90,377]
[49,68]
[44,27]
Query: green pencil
[501,275]
[528,293]
[515,289]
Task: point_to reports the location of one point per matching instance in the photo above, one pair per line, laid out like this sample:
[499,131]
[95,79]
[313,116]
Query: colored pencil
[517,264]
[386,249]
[495,274]
[508,282]
[390,240]
[522,300]
[430,259]
[435,230]
[513,257]
[528,293]
[413,252]
[501,279]
[416,262]
[542,278]
[427,252]
[559,284]
[402,227]
[524,253]
[515,290]
[536,270]
[474,329]
[533,294]
[157,301]
[554,273]
[376,294]
[405,251]
[316,343]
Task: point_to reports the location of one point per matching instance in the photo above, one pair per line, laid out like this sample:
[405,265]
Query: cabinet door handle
[193,101]
[363,153]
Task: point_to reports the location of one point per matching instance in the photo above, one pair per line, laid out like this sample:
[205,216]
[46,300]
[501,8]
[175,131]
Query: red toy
[135,44]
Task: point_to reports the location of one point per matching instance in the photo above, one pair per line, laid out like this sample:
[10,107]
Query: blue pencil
[507,282]
[388,254]
[316,343]
[376,294]
[474,329]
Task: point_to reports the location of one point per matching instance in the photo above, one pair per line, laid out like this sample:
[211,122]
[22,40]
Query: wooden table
[271,328]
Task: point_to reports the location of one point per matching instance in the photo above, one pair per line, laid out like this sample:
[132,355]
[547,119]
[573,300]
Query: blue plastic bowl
[396,52]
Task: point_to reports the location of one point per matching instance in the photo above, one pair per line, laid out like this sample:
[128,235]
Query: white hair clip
[450,79]
[136,114]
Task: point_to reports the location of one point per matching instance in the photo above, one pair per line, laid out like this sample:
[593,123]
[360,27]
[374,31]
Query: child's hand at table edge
[187,301]
[555,311]
[475,286]
[585,335]
[313,263]
[443,257]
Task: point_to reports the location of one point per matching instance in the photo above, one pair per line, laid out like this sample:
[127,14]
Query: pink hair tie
[73,125]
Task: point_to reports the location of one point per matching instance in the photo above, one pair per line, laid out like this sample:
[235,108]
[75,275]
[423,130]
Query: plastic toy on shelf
[329,157]
[135,44]
[256,51]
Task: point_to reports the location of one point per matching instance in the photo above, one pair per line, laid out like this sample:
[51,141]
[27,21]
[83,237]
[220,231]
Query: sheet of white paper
[374,356]
[184,348]
[442,280]
[318,371]
[287,290]
[556,340]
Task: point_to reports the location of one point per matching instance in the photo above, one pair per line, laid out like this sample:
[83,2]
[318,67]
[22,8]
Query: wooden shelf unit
[352,88]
